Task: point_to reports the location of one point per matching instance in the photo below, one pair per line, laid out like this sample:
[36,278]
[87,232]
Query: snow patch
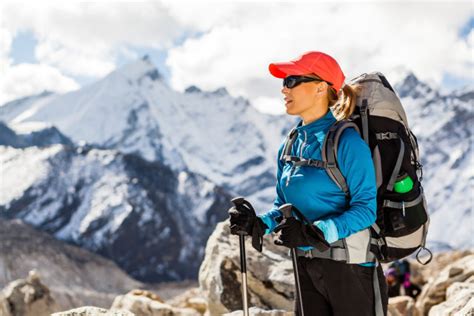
[20,169]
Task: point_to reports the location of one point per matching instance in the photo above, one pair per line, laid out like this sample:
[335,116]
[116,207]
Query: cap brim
[282,70]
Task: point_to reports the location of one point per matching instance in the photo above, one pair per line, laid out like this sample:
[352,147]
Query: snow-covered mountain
[133,110]
[146,217]
[151,167]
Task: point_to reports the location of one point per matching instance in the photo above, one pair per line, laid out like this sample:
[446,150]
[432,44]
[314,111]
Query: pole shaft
[297,280]
[243,269]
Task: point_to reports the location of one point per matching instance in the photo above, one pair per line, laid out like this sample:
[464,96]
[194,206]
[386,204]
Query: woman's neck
[314,115]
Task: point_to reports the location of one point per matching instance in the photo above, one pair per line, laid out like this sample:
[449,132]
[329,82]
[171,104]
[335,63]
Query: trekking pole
[286,211]
[238,201]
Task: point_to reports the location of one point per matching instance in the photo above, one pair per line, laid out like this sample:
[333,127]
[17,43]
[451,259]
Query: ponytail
[343,103]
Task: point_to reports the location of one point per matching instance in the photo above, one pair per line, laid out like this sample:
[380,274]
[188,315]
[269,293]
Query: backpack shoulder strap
[329,153]
[290,139]
[298,161]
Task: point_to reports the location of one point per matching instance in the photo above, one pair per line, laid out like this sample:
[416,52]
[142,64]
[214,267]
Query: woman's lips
[288,102]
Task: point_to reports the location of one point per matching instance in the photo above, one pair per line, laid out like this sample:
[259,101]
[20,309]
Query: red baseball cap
[321,64]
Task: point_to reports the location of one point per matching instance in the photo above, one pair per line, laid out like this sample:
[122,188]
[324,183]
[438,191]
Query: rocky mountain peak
[139,69]
[412,87]
[192,89]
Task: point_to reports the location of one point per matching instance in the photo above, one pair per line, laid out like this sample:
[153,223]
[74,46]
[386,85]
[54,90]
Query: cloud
[5,47]
[85,61]
[230,43]
[86,38]
[78,39]
[28,79]
[391,37]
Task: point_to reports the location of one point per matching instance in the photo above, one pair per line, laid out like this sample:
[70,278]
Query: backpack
[402,217]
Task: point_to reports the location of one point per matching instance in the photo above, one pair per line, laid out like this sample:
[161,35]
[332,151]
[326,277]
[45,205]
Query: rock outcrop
[145,303]
[269,274]
[94,311]
[4,310]
[421,274]
[192,298]
[254,311]
[459,300]
[27,297]
[401,306]
[457,275]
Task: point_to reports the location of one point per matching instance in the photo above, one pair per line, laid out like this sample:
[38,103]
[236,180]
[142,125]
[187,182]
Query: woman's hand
[244,219]
[296,234]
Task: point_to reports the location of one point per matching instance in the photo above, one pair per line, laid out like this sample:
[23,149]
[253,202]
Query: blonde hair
[343,103]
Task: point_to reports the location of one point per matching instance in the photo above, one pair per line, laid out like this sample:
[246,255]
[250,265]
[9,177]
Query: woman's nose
[285,90]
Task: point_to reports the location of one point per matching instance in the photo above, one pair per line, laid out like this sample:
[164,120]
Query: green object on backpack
[403,184]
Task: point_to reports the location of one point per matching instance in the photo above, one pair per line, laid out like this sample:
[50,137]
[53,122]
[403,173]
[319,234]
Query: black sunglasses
[293,81]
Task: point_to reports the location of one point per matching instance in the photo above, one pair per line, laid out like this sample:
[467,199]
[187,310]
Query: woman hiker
[314,89]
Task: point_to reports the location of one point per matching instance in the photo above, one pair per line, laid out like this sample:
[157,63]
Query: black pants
[332,288]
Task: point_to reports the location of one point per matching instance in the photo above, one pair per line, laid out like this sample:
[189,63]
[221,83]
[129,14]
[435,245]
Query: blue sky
[23,51]
[232,45]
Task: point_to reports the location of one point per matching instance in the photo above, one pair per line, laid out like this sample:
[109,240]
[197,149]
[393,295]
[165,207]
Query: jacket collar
[318,127]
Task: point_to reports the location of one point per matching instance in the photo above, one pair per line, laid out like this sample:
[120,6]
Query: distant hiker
[393,282]
[339,281]
[402,272]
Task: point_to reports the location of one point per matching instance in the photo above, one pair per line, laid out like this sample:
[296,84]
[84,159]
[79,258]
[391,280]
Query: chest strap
[298,162]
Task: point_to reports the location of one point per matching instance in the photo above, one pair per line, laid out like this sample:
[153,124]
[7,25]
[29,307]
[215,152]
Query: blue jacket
[316,195]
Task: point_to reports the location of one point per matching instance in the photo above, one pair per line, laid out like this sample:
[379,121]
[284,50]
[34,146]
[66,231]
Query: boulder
[192,298]
[4,310]
[145,303]
[269,274]
[434,292]
[393,311]
[255,311]
[94,311]
[401,305]
[459,301]
[421,274]
[27,297]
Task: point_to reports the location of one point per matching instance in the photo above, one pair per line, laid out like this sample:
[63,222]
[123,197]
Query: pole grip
[238,201]
[286,209]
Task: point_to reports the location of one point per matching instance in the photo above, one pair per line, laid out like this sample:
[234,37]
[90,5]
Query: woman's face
[304,97]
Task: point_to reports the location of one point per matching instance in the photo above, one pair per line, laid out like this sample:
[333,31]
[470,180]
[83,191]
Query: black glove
[243,220]
[296,234]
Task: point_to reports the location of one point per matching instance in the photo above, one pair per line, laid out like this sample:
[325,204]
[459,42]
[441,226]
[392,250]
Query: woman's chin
[290,111]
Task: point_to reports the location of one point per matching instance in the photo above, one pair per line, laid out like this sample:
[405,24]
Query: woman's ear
[322,87]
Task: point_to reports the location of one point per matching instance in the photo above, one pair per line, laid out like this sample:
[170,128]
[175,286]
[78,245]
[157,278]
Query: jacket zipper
[302,145]
[292,169]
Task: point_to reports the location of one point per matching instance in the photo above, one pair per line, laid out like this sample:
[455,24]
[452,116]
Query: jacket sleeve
[269,218]
[355,162]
